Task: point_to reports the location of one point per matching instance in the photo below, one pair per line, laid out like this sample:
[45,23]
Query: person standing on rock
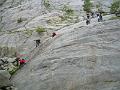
[92,14]
[88,16]
[101,17]
[88,19]
[37,42]
[97,14]
[98,17]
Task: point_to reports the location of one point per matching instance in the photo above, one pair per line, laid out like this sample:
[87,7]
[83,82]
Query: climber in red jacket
[22,62]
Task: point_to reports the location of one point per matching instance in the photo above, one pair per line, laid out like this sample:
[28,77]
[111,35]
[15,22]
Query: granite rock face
[16,14]
[4,78]
[20,18]
[81,58]
[104,4]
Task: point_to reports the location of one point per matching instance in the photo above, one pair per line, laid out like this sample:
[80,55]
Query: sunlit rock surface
[29,11]
[83,58]
[11,11]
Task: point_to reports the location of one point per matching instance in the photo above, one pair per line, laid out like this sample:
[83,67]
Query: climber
[53,34]
[88,16]
[92,14]
[100,16]
[97,14]
[37,42]
[88,19]
[22,62]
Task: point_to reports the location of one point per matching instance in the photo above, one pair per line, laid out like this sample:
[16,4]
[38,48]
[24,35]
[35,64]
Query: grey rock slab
[4,78]
[11,60]
[81,58]
[12,10]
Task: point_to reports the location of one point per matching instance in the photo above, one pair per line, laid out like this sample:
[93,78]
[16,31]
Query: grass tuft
[40,30]
[114,18]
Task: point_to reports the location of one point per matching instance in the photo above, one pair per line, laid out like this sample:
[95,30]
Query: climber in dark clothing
[97,14]
[88,16]
[53,34]
[88,19]
[37,42]
[101,17]
[98,17]
[92,14]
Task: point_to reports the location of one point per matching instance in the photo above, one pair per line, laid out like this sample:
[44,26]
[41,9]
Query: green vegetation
[87,5]
[40,30]
[65,17]
[113,18]
[7,51]
[104,14]
[46,3]
[68,10]
[12,72]
[68,13]
[115,6]
[54,20]
[19,20]
[99,7]
[29,32]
